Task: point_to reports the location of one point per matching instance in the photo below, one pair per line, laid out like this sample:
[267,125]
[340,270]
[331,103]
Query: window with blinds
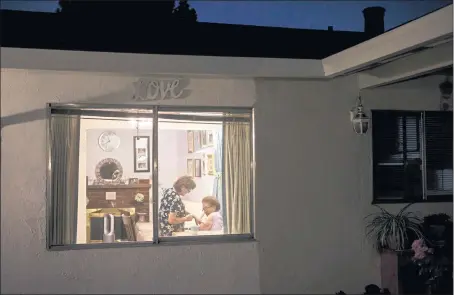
[412,156]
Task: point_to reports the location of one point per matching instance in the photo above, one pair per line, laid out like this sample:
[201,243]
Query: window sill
[191,241]
[437,199]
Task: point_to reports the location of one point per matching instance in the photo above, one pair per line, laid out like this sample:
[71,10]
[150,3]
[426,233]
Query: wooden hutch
[130,199]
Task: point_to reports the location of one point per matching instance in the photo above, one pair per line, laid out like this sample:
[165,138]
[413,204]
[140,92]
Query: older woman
[211,219]
[172,213]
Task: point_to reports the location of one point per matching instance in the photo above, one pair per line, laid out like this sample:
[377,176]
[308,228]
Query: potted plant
[393,234]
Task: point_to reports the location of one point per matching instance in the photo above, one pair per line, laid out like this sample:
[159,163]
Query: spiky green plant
[389,231]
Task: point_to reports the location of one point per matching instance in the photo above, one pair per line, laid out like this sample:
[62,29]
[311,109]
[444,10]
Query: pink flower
[420,249]
[417,244]
[419,255]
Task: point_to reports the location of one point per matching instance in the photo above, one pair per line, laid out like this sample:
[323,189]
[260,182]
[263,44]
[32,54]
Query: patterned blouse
[170,202]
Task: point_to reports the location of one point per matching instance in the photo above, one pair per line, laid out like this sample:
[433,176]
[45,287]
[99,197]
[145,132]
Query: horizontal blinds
[439,152]
[397,154]
[387,138]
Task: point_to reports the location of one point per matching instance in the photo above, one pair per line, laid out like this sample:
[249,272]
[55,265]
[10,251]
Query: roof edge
[433,27]
[141,64]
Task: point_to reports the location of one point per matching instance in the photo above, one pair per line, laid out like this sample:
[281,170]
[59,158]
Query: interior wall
[314,184]
[27,267]
[124,153]
[171,156]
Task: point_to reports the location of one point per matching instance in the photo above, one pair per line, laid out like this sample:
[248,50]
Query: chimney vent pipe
[374,20]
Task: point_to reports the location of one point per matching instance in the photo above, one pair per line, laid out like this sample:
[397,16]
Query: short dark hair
[212,201]
[184,181]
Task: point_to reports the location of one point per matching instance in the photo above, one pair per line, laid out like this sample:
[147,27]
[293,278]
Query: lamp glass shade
[446,88]
[360,123]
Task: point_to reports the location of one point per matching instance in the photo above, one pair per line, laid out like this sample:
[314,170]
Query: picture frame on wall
[141,153]
[203,138]
[204,166]
[198,168]
[210,138]
[190,167]
[190,135]
[210,164]
[197,143]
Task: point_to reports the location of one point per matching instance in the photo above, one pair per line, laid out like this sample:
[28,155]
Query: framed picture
[133,181]
[141,153]
[190,135]
[197,143]
[210,138]
[204,166]
[210,164]
[198,168]
[203,137]
[190,167]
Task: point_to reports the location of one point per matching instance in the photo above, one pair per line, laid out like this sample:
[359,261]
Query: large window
[412,156]
[156,175]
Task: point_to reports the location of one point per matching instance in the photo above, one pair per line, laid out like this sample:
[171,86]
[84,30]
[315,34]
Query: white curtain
[65,131]
[237,168]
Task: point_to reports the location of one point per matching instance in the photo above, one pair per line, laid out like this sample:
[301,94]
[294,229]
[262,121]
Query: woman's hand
[173,219]
[197,220]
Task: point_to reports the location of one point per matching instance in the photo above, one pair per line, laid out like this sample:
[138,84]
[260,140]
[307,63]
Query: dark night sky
[343,15]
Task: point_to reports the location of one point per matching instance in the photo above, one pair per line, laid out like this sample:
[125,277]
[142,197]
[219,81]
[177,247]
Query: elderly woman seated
[211,219]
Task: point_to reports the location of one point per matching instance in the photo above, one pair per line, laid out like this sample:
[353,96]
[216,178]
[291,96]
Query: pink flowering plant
[431,266]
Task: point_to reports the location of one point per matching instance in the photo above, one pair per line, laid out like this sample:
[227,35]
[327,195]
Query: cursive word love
[158,89]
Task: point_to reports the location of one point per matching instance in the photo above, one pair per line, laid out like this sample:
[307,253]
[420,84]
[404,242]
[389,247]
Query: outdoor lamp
[446,91]
[359,119]
[446,87]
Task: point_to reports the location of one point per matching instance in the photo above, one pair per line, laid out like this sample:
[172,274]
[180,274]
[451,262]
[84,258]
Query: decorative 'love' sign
[153,89]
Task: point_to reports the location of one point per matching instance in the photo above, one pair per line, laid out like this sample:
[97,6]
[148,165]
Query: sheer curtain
[65,132]
[237,167]
[217,186]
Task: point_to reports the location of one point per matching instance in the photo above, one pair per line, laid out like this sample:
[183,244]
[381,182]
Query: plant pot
[390,271]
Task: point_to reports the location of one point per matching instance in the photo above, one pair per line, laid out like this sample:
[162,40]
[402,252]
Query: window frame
[447,198]
[117,109]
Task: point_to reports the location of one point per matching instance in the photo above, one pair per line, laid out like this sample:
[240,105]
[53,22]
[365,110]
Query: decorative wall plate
[108,170]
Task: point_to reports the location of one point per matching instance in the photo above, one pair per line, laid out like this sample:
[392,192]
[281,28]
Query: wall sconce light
[446,91]
[359,119]
[446,87]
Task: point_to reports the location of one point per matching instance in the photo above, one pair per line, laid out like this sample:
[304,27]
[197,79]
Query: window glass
[412,156]
[102,184]
[439,152]
[115,180]
[397,155]
[204,174]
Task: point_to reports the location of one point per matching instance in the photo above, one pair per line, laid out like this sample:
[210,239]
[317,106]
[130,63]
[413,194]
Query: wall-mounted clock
[108,141]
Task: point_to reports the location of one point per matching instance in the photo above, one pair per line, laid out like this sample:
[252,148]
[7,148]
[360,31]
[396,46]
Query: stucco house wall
[313,189]
[314,183]
[27,267]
